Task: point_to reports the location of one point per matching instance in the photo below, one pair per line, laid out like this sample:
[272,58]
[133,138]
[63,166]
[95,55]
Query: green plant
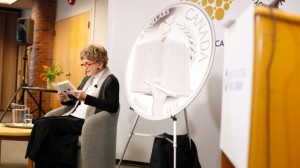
[50,73]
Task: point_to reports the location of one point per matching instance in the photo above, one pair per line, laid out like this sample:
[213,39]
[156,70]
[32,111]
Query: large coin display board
[170,61]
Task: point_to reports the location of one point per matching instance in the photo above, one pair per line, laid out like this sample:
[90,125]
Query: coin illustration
[170,61]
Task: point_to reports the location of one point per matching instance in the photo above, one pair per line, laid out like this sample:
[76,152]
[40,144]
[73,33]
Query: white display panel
[237,89]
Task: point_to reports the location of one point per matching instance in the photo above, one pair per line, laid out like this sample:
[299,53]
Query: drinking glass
[28,119]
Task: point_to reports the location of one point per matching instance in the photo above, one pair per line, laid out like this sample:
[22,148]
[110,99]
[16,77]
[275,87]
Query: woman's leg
[65,124]
[61,142]
[38,134]
[53,140]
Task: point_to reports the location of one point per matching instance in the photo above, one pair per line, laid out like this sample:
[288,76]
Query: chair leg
[30,163]
[0,149]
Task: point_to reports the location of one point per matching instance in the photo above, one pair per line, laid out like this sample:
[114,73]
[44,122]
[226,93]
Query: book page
[65,87]
[147,65]
[175,69]
[166,64]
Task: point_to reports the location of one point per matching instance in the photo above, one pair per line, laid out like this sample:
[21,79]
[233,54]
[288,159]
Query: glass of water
[28,119]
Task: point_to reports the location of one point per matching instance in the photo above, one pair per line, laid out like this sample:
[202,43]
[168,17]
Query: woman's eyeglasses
[87,64]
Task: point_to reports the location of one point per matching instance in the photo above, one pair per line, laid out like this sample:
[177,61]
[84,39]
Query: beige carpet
[12,152]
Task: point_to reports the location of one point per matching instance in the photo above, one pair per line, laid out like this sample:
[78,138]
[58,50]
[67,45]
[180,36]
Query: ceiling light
[7,1]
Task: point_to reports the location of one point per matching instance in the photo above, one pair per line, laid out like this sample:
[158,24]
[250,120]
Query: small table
[38,103]
[15,134]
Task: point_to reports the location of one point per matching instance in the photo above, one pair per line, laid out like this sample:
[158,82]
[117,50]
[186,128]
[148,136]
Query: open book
[164,64]
[65,87]
[161,69]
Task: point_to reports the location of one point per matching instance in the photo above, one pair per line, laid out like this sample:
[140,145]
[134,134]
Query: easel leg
[187,128]
[130,136]
[175,136]
[186,123]
[174,140]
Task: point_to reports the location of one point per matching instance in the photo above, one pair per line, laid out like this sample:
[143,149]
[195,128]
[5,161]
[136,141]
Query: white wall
[126,18]
[65,10]
[100,22]
[26,13]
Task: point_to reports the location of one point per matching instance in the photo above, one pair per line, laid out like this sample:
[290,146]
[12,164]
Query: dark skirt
[53,142]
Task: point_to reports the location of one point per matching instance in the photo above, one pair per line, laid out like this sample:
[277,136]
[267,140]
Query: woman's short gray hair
[96,53]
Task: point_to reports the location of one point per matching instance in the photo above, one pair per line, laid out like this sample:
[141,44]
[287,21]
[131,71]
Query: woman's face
[91,67]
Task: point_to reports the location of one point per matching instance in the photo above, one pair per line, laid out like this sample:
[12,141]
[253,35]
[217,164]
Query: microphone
[96,86]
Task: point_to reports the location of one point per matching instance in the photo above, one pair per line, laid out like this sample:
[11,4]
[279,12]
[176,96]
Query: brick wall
[44,15]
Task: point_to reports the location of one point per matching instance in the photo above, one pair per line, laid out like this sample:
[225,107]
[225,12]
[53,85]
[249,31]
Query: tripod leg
[24,74]
[20,87]
[22,97]
[130,136]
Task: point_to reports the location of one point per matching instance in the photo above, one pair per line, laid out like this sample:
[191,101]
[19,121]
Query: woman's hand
[61,97]
[79,94]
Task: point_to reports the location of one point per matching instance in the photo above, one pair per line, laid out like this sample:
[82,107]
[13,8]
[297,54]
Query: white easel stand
[141,134]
